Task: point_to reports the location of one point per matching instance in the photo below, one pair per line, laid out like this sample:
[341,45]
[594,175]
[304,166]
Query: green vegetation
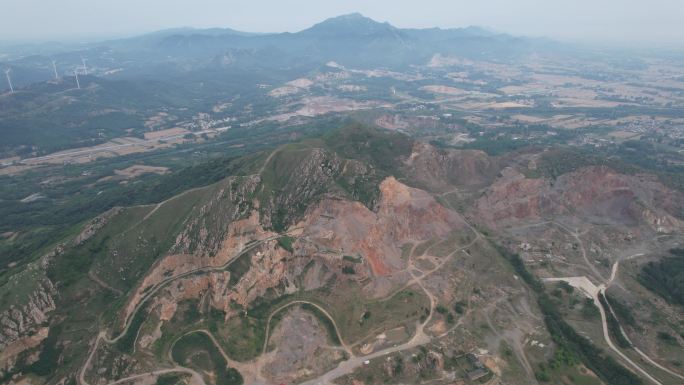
[379,148]
[574,346]
[356,318]
[555,163]
[48,359]
[667,338]
[622,311]
[351,259]
[169,379]
[79,191]
[567,374]
[284,179]
[589,309]
[72,266]
[126,343]
[566,287]
[286,243]
[348,270]
[42,223]
[242,337]
[197,350]
[665,278]
[613,324]
[239,267]
[542,374]
[460,307]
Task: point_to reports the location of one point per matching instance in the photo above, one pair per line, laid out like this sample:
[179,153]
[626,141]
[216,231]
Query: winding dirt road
[252,369]
[102,336]
[419,338]
[592,291]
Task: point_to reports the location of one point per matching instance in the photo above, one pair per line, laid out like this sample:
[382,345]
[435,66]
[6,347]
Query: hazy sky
[585,20]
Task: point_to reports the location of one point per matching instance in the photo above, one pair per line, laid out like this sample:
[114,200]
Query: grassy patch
[198,351]
[613,324]
[665,278]
[243,337]
[286,243]
[623,312]
[126,343]
[668,338]
[356,318]
[170,379]
[589,309]
[48,359]
[239,267]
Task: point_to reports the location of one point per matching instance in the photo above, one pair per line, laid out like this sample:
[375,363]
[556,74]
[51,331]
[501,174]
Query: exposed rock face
[300,184]
[441,169]
[271,267]
[21,321]
[297,355]
[10,353]
[239,233]
[204,233]
[512,197]
[662,223]
[595,194]
[96,224]
[404,214]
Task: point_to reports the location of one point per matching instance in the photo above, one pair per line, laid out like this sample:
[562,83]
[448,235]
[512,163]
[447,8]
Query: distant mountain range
[351,40]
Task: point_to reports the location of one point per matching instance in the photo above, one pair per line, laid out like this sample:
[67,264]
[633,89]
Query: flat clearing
[165,133]
[444,90]
[320,105]
[138,169]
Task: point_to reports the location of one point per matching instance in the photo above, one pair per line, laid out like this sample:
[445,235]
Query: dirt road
[102,336]
[592,291]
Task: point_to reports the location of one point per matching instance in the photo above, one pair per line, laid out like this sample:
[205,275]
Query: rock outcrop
[403,215]
[23,327]
[19,321]
[96,224]
[439,169]
[595,194]
[239,234]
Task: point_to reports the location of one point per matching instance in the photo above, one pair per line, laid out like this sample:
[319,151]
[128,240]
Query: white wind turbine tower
[54,68]
[9,81]
[78,84]
[85,68]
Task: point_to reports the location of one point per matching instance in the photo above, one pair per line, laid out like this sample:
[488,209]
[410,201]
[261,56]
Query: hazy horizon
[610,21]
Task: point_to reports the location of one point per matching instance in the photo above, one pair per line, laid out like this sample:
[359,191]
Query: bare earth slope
[362,244]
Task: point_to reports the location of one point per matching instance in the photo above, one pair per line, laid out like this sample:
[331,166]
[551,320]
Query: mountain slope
[358,230]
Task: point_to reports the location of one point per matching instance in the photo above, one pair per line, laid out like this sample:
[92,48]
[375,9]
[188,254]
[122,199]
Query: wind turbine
[9,81]
[78,85]
[54,68]
[85,69]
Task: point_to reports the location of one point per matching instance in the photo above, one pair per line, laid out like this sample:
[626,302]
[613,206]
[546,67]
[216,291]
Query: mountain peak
[351,16]
[352,23]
